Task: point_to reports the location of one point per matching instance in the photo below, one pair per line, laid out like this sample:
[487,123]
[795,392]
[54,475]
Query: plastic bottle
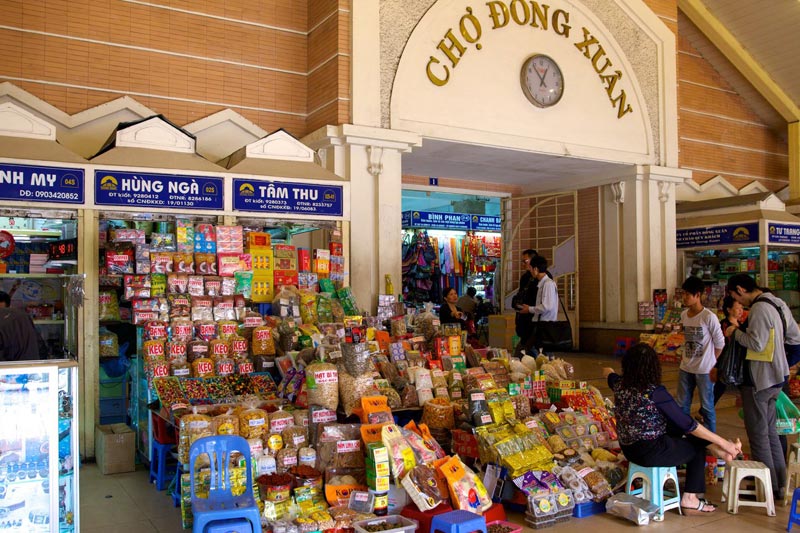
[389,286]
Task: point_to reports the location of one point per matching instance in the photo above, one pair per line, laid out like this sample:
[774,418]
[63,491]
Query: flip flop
[699,510]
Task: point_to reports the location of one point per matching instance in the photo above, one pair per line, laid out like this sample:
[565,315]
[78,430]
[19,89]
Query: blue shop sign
[158,191]
[265,196]
[433,220]
[25,183]
[485,223]
[783,233]
[711,236]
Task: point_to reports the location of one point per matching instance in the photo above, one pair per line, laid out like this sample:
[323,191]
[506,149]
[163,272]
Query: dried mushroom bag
[109,306]
[253,422]
[192,427]
[109,343]
[322,384]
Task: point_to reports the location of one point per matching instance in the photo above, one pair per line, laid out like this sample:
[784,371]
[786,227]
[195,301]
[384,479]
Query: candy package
[467,491]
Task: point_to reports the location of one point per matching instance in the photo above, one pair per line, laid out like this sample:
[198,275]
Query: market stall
[440,250]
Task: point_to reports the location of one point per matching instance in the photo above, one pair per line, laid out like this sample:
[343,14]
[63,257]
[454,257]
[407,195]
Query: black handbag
[730,369]
[552,336]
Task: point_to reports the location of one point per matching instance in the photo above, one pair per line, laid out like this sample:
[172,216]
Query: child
[703,344]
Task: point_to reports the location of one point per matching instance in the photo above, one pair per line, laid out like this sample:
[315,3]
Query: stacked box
[228,263]
[386,306]
[322,262]
[205,238]
[304,260]
[230,239]
[263,276]
[258,241]
[337,268]
[307,280]
[285,263]
[377,467]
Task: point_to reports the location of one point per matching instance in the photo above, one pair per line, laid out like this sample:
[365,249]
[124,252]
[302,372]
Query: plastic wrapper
[324,310]
[421,486]
[176,352]
[219,348]
[339,446]
[322,384]
[192,427]
[196,349]
[408,397]
[280,420]
[285,459]
[438,413]
[632,508]
[356,358]
[109,343]
[120,258]
[253,422]
[401,455]
[180,370]
[244,283]
[353,388]
[479,408]
[308,306]
[596,482]
[467,491]
[286,303]
[109,306]
[225,424]
[295,437]
[392,397]
[262,342]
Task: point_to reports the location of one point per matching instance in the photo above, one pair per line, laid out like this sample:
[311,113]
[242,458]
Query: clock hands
[542,77]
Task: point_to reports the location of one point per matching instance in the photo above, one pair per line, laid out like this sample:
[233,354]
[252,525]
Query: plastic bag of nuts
[438,413]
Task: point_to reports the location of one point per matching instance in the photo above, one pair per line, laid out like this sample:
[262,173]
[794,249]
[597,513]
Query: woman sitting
[654,431]
[449,312]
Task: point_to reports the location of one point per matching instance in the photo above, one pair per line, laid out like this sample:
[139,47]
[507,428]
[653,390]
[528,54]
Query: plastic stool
[424,518]
[794,516]
[159,470]
[735,472]
[458,522]
[175,494]
[653,480]
[495,512]
[231,525]
[794,453]
[792,470]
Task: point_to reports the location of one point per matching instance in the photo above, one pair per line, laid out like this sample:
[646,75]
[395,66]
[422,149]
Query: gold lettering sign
[459,40]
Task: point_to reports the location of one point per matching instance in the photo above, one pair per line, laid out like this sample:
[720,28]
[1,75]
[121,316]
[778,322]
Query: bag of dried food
[109,343]
[467,491]
[339,446]
[280,420]
[308,306]
[401,456]
[109,306]
[192,427]
[438,413]
[225,424]
[353,388]
[356,357]
[253,422]
[322,384]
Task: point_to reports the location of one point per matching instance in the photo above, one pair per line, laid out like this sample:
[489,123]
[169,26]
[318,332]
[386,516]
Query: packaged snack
[161,262]
[202,309]
[295,437]
[220,348]
[467,491]
[401,456]
[262,341]
[244,283]
[352,389]
[238,346]
[183,263]
[213,286]
[438,413]
[308,306]
[205,264]
[224,366]
[192,427]
[228,287]
[177,283]
[182,330]
[162,242]
[223,308]
[109,306]
[120,258]
[158,285]
[180,369]
[109,343]
[176,352]
[422,488]
[285,459]
[179,305]
[196,349]
[195,286]
[322,384]
[253,422]
[202,367]
[280,420]
[205,330]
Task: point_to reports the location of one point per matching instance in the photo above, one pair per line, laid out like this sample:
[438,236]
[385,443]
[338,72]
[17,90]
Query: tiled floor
[125,503]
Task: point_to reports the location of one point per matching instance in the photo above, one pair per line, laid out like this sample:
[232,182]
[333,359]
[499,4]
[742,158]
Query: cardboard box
[115,448]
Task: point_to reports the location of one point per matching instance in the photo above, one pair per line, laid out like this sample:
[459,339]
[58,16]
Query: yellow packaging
[454,344]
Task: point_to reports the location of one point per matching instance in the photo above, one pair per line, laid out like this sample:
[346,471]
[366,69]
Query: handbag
[553,336]
[792,350]
[730,369]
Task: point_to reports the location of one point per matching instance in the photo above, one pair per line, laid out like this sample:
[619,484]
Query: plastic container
[401,524]
[514,527]
[590,508]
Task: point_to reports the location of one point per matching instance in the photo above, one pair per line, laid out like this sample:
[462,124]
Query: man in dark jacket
[19,339]
[526,296]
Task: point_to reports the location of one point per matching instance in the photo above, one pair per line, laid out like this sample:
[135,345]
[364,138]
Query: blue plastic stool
[458,522]
[232,525]
[175,493]
[653,480]
[159,470]
[794,516]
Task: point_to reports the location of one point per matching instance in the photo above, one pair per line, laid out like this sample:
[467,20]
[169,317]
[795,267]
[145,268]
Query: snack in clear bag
[409,396]
[324,309]
[225,424]
[196,349]
[109,306]
[192,427]
[467,491]
[401,455]
[219,348]
[109,343]
[280,420]
[322,384]
[176,352]
[308,306]
[182,330]
[262,342]
[253,422]
[356,357]
[285,459]
[295,437]
[438,413]
[202,367]
[352,389]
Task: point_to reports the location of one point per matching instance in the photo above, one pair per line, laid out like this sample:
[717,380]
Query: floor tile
[139,526]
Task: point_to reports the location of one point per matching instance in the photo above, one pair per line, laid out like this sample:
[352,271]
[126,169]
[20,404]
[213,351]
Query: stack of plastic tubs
[547,510]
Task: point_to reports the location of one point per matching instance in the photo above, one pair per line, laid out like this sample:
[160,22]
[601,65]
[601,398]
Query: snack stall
[42,187]
[752,235]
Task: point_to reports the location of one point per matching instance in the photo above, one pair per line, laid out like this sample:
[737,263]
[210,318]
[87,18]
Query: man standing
[19,339]
[765,370]
[525,297]
[545,308]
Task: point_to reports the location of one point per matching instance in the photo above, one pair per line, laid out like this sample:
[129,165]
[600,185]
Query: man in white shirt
[546,308]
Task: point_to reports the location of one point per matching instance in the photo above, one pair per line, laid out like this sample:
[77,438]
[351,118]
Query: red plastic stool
[495,512]
[423,518]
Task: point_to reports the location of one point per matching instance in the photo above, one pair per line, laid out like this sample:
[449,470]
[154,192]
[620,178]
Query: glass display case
[39,446]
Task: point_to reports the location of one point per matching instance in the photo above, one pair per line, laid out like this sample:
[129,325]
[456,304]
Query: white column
[638,232]
[365,63]
[371,158]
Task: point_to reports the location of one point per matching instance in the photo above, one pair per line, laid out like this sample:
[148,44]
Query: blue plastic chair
[794,516]
[221,504]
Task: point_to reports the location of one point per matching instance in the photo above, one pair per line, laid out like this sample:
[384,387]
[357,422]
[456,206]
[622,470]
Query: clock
[64,250]
[542,80]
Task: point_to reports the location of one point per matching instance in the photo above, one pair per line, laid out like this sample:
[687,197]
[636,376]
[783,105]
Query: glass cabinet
[39,446]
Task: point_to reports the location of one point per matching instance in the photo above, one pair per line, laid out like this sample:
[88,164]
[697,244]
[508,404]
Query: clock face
[542,80]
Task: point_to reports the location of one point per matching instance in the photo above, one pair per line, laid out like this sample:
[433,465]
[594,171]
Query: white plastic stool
[794,453]
[792,470]
[735,472]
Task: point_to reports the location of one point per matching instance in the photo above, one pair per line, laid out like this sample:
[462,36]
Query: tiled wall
[279,63]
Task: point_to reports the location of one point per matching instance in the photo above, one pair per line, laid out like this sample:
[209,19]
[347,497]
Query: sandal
[704,507]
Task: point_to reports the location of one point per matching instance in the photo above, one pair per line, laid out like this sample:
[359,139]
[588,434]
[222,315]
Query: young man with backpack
[770,327]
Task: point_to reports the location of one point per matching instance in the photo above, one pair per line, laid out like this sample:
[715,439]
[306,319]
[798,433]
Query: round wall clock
[542,80]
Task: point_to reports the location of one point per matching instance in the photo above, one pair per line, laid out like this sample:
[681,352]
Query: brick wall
[281,64]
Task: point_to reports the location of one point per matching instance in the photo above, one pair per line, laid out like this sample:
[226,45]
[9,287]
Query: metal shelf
[46,322]
[31,276]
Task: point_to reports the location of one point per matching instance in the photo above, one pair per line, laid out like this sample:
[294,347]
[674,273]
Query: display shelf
[47,321]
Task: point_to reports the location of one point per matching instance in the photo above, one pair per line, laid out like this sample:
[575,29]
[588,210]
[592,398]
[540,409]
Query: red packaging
[336,248]
[303,260]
